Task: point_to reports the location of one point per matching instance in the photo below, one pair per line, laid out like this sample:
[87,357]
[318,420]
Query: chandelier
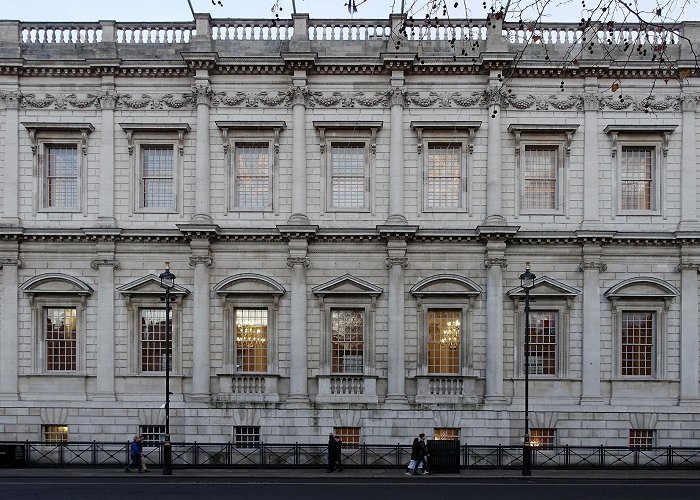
[449,336]
[251,335]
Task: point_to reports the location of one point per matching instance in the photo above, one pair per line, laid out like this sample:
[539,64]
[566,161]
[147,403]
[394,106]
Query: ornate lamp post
[167,281]
[527,280]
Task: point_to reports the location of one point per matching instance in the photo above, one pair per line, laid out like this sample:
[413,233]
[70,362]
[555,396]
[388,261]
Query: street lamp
[167,281]
[527,281]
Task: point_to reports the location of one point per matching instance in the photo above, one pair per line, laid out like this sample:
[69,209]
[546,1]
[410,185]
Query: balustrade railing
[154,32]
[568,34]
[57,33]
[346,30]
[252,29]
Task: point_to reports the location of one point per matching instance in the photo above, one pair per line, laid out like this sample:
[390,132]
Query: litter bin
[444,456]
[11,455]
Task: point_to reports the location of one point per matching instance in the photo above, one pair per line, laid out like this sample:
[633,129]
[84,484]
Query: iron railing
[263,455]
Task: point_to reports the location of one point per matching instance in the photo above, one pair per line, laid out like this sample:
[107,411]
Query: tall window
[637,177]
[251,340]
[61,339]
[543,342]
[446,433]
[62,176]
[539,174]
[348,175]
[443,176]
[350,436]
[347,341]
[637,349]
[253,180]
[641,438]
[542,437]
[153,340]
[158,177]
[152,434]
[247,436]
[54,433]
[444,337]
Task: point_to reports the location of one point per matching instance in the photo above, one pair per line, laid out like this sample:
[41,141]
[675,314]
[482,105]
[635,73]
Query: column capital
[107,100]
[12,99]
[97,263]
[591,101]
[496,261]
[298,261]
[689,102]
[202,93]
[11,261]
[397,261]
[397,96]
[299,95]
[687,266]
[593,264]
[201,259]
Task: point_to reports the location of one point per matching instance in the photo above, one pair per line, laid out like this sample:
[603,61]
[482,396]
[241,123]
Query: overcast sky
[178,10]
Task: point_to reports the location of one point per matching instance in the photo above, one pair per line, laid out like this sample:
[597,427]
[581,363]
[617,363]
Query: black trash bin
[444,456]
[11,455]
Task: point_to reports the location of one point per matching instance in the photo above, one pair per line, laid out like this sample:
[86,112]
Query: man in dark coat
[335,446]
[423,461]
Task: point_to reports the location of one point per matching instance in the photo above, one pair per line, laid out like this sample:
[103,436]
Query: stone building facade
[347,211]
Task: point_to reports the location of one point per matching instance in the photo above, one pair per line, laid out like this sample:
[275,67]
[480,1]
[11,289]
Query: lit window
[253,179]
[153,340]
[62,176]
[152,434]
[641,438]
[539,172]
[637,351]
[446,434]
[637,177]
[246,436]
[61,339]
[158,177]
[347,333]
[54,433]
[350,436]
[543,438]
[251,340]
[443,176]
[444,337]
[543,342]
[348,175]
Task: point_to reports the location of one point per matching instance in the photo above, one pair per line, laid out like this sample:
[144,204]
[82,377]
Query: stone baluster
[201,355]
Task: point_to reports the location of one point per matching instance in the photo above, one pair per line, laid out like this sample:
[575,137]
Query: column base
[201,219]
[592,400]
[103,396]
[396,219]
[200,397]
[396,399]
[106,222]
[297,399]
[495,400]
[495,220]
[298,219]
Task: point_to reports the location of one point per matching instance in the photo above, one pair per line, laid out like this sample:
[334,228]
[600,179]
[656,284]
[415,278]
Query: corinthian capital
[12,99]
[397,96]
[689,102]
[591,102]
[107,99]
[202,93]
[299,95]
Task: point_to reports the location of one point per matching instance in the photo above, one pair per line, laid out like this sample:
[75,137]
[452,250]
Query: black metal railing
[264,455]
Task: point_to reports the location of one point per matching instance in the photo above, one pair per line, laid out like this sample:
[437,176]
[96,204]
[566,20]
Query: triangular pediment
[347,285]
[642,288]
[55,283]
[546,287]
[249,284]
[446,285]
[150,285]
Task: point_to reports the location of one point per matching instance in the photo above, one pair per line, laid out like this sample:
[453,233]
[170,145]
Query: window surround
[360,132]
[43,135]
[546,294]
[557,136]
[652,136]
[642,294]
[140,135]
[61,291]
[449,132]
[146,293]
[246,132]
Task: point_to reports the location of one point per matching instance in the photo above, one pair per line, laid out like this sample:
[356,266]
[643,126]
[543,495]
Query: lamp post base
[167,457]
[527,459]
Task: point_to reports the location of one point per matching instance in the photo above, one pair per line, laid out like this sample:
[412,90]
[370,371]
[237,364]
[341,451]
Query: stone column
[201,356]
[495,262]
[9,326]
[689,393]
[396,159]
[591,266]
[689,165]
[494,205]
[298,371]
[591,215]
[105,264]
[202,91]
[108,100]
[396,262]
[10,179]
[299,95]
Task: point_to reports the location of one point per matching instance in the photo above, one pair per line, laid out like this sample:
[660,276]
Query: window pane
[641,438]
[637,342]
[152,434]
[444,176]
[542,437]
[350,436]
[158,177]
[347,333]
[61,339]
[348,163]
[153,340]
[446,433]
[252,164]
[540,178]
[444,337]
[55,433]
[251,340]
[246,436]
[62,176]
[543,342]
[636,177]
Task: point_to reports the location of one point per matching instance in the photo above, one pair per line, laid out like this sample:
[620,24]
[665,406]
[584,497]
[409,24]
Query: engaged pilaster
[591,104]
[591,266]
[10,264]
[203,94]
[299,95]
[396,159]
[494,204]
[689,180]
[107,99]
[105,264]
[10,179]
[689,393]
[201,370]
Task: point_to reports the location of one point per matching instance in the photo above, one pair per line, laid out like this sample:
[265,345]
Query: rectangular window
[637,349]
[62,176]
[350,436]
[61,339]
[543,342]
[153,340]
[444,337]
[347,338]
[152,434]
[540,167]
[637,178]
[246,436]
[253,179]
[641,438]
[348,175]
[443,176]
[54,433]
[446,434]
[251,340]
[543,438]
[158,177]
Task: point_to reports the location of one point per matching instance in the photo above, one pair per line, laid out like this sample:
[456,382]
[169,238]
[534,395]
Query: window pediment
[249,284]
[546,287]
[446,285]
[150,285]
[642,288]
[55,283]
[347,285]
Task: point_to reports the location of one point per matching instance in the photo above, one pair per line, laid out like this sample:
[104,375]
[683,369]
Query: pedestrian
[338,453]
[142,459]
[423,453]
[135,454]
[415,456]
[334,453]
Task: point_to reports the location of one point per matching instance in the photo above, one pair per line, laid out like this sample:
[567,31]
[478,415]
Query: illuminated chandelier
[450,334]
[251,335]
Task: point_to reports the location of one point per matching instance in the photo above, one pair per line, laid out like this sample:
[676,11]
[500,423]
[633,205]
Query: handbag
[412,464]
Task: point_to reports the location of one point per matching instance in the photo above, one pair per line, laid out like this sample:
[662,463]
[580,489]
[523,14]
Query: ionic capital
[496,261]
[593,264]
[397,261]
[201,259]
[298,261]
